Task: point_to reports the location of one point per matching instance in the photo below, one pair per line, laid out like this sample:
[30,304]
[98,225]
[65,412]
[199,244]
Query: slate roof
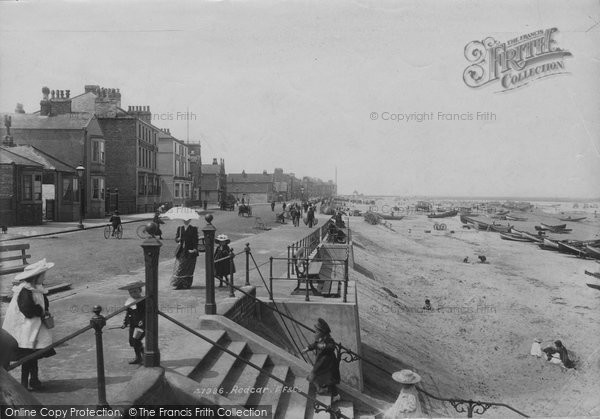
[211,169]
[29,154]
[6,157]
[249,178]
[75,121]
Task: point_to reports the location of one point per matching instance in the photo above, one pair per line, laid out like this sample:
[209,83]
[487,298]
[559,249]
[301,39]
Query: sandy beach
[475,343]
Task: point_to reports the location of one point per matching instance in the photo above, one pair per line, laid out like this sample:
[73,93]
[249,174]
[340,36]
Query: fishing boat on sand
[570,248]
[594,286]
[513,237]
[513,218]
[574,219]
[443,214]
[593,251]
[594,274]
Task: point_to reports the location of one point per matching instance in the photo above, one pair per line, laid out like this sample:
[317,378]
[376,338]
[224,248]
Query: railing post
[247,250]
[210,306]
[307,298]
[288,263]
[151,248]
[231,255]
[346,279]
[271,277]
[98,322]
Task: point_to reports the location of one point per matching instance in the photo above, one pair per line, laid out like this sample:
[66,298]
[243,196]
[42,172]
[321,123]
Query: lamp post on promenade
[80,171]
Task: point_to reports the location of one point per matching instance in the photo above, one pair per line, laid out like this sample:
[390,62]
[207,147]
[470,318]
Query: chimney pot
[68,93]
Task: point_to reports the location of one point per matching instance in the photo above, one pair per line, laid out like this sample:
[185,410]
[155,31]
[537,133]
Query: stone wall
[244,308]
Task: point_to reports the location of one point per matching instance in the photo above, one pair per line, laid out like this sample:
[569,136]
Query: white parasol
[182,213]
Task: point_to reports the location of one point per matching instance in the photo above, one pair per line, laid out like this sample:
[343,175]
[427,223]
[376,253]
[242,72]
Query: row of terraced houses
[87,156]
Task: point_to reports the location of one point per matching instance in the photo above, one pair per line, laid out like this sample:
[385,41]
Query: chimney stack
[8,139]
[141,112]
[19,108]
[215,162]
[45,106]
[107,100]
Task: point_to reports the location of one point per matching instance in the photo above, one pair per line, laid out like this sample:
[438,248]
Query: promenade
[70,376]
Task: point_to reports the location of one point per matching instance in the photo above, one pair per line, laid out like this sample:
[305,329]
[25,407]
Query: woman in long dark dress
[325,374]
[223,267]
[24,320]
[185,256]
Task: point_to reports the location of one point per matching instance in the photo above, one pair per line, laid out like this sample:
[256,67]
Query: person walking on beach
[134,318]
[26,320]
[325,374]
[185,256]
[224,265]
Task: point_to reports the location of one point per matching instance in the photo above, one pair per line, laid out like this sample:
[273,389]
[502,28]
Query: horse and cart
[245,210]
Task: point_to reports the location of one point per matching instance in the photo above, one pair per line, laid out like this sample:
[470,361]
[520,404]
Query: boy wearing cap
[325,374]
[23,319]
[134,318]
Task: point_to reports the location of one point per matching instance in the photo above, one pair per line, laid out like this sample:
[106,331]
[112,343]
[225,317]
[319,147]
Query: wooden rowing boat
[594,274]
[512,237]
[513,218]
[443,214]
[592,251]
[570,249]
[594,286]
[572,219]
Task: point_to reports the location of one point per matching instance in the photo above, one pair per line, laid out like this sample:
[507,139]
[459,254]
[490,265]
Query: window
[142,184]
[157,185]
[68,193]
[98,151]
[177,190]
[187,190]
[27,187]
[32,187]
[97,188]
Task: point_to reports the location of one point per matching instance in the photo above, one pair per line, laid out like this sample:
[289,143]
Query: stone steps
[218,372]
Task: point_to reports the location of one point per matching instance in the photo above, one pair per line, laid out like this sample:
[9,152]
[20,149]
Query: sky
[313,86]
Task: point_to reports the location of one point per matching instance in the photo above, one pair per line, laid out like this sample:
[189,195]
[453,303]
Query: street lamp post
[80,171]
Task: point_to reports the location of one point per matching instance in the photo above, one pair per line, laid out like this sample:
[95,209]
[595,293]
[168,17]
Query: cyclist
[115,220]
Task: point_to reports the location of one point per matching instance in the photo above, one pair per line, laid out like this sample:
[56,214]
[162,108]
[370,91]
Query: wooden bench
[12,253]
[13,259]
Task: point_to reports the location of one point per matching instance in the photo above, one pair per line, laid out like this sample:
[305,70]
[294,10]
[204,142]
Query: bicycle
[118,233]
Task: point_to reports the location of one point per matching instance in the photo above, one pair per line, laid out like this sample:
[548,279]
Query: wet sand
[476,341]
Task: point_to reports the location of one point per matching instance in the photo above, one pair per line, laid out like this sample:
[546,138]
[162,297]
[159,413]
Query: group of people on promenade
[296,210]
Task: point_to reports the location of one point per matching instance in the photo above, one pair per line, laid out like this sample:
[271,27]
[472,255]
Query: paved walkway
[70,376]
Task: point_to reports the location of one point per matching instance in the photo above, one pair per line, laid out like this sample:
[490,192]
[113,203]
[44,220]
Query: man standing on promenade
[273,206]
[310,216]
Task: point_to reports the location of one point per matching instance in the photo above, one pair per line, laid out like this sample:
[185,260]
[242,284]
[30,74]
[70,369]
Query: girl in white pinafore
[23,319]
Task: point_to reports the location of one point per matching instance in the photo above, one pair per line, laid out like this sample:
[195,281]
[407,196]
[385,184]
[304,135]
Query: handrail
[348,355]
[477,407]
[315,402]
[276,308]
[67,338]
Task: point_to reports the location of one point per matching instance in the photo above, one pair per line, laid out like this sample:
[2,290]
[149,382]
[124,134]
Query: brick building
[251,187]
[131,148]
[213,183]
[29,196]
[174,170]
[74,138]
[196,170]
